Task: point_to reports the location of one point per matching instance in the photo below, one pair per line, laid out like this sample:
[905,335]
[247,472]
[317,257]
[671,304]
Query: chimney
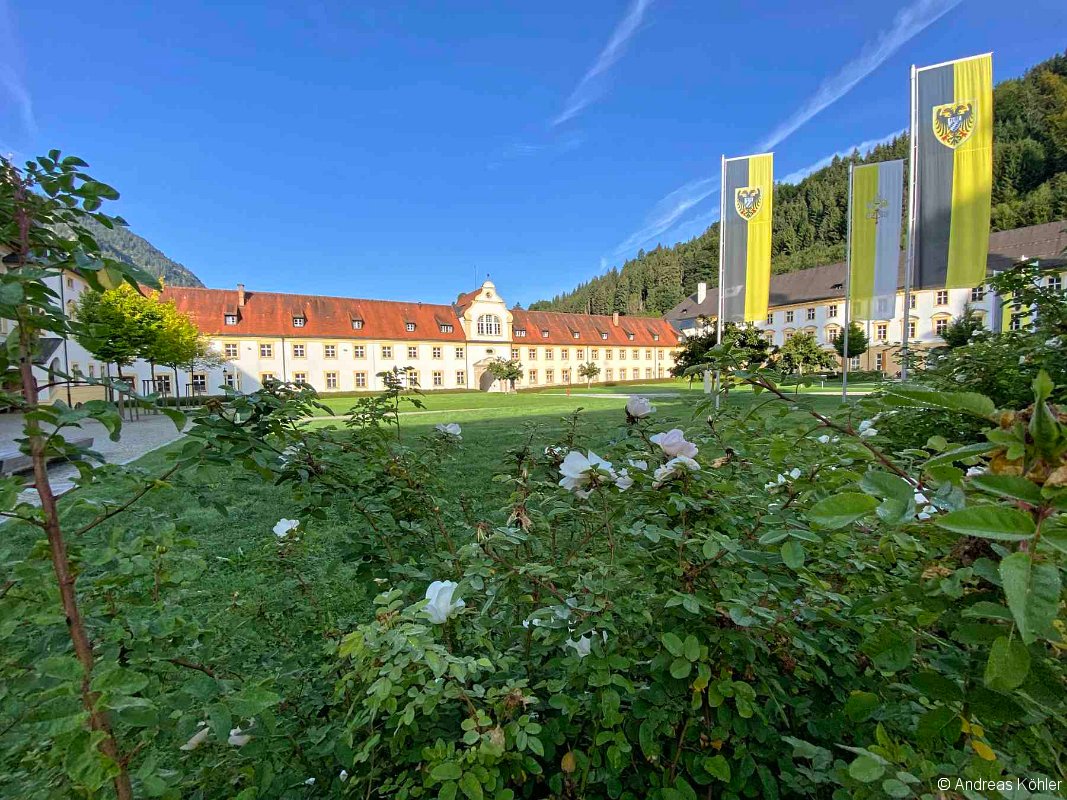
[702,292]
[615,318]
[240,295]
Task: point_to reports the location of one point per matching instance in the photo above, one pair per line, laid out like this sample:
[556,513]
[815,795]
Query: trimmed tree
[802,352]
[118,326]
[589,371]
[509,370]
[858,343]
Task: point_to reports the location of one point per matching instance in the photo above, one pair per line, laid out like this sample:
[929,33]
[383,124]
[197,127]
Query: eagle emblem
[748,200]
[954,123]
[877,209]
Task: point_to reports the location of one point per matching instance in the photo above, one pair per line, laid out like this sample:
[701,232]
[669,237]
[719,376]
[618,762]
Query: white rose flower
[578,472]
[309,782]
[285,526]
[450,429]
[623,481]
[197,738]
[976,471]
[583,646]
[639,407]
[637,463]
[673,443]
[867,429]
[343,776]
[827,439]
[441,606]
[673,467]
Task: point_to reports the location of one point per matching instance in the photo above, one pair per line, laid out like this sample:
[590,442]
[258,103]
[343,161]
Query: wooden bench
[12,461]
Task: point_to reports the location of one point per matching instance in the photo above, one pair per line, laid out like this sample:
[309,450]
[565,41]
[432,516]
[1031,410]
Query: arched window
[488,325]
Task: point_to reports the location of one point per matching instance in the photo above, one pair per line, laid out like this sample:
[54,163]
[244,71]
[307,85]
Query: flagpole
[913,199]
[848,289]
[722,243]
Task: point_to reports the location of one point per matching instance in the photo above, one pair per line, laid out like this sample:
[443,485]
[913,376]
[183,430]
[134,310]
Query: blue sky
[403,150]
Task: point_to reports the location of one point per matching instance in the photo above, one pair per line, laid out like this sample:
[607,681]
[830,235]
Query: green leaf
[471,786]
[839,510]
[680,668]
[448,791]
[1008,664]
[448,771]
[959,454]
[964,402]
[989,522]
[895,788]
[1013,487]
[793,554]
[673,643]
[175,416]
[936,686]
[718,767]
[66,668]
[866,769]
[860,706]
[889,649]
[691,648]
[884,485]
[1033,594]
[120,681]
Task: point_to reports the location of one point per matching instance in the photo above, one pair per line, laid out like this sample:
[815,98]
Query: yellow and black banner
[746,230]
[954,172]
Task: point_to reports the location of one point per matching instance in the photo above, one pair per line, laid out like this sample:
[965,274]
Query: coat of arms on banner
[954,123]
[748,200]
[877,209]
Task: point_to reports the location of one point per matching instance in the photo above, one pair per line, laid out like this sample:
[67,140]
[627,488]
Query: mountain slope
[124,245]
[810,218]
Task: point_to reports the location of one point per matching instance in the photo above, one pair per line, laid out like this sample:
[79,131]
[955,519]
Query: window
[630,336]
[436,352]
[299,351]
[594,354]
[833,333]
[532,374]
[72,309]
[603,335]
[444,327]
[92,370]
[655,337]
[1016,322]
[360,380]
[810,313]
[229,350]
[438,378]
[648,355]
[609,374]
[488,325]
[515,354]
[413,378]
[299,322]
[532,353]
[648,372]
[566,376]
[544,333]
[770,317]
[76,369]
[636,354]
[609,353]
[911,330]
[413,351]
[579,353]
[575,334]
[357,324]
[359,351]
[266,376]
[409,327]
[622,354]
[1055,283]
[911,303]
[881,331]
[300,377]
[266,351]
[230,380]
[564,354]
[70,282]
[622,374]
[387,351]
[329,351]
[230,319]
[879,361]
[459,352]
[940,325]
[331,380]
[550,375]
[520,333]
[941,298]
[854,362]
[977,294]
[790,316]
[549,354]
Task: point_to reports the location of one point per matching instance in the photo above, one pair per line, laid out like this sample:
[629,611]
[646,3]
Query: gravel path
[141,436]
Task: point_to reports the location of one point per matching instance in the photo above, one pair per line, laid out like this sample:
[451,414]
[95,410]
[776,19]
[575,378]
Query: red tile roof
[561,328]
[271,314]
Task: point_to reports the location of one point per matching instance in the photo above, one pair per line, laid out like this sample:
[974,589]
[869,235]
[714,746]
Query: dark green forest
[810,218]
[123,245]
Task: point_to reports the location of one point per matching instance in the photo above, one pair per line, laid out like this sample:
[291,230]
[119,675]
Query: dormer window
[357,324]
[575,334]
[655,337]
[544,333]
[629,336]
[409,327]
[445,327]
[603,335]
[299,322]
[230,319]
[520,333]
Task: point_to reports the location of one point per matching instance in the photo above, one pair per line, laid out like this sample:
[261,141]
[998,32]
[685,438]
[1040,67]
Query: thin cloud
[863,147]
[668,211]
[591,86]
[10,77]
[909,22]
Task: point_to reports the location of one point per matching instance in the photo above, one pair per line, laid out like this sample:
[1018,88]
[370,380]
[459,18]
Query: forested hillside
[810,218]
[124,245]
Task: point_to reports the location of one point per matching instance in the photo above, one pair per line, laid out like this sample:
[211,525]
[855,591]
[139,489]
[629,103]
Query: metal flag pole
[848,289]
[721,306]
[913,199]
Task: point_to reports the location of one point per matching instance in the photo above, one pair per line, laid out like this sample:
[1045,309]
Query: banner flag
[875,208]
[745,271]
[953,135]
